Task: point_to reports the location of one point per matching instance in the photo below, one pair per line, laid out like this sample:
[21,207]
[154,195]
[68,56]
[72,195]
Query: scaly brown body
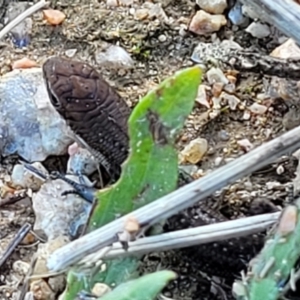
[94,111]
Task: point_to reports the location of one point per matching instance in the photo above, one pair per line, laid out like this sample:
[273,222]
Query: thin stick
[188,237]
[15,242]
[178,200]
[28,12]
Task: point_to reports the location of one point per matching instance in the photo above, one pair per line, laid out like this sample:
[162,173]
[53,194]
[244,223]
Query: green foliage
[271,269]
[146,287]
[151,170]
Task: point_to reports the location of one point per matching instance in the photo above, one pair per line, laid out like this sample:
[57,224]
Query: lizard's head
[71,86]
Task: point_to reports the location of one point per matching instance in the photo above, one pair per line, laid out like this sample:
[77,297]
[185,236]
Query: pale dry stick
[176,201]
[28,12]
[187,237]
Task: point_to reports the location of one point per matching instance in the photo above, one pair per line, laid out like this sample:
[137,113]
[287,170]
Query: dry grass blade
[188,237]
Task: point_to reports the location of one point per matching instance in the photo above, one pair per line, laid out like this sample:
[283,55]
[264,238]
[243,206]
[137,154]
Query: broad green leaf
[151,170]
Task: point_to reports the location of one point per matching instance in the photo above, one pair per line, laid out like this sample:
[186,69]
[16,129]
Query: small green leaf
[146,287]
[273,266]
[151,170]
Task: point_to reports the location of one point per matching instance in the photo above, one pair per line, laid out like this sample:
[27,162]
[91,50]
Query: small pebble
[204,23]
[182,30]
[212,115]
[156,11]
[216,103]
[54,16]
[231,79]
[162,38]
[289,49]
[217,88]
[248,11]
[126,2]
[248,186]
[245,144]
[7,178]
[21,267]
[112,3]
[218,161]
[132,11]
[224,135]
[24,63]
[236,16]
[194,151]
[70,52]
[25,179]
[280,170]
[258,109]
[230,44]
[141,14]
[272,185]
[41,290]
[258,30]
[113,56]
[232,100]
[189,169]
[216,75]
[246,115]
[202,97]
[229,88]
[213,6]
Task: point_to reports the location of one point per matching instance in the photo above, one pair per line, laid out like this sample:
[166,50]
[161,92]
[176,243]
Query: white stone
[113,56]
[258,109]
[202,97]
[232,100]
[71,52]
[55,213]
[213,6]
[245,144]
[289,49]
[29,124]
[194,151]
[258,30]
[25,179]
[216,75]
[249,12]
[204,23]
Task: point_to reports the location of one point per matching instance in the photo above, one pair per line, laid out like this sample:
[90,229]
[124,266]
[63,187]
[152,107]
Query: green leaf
[271,269]
[151,170]
[146,287]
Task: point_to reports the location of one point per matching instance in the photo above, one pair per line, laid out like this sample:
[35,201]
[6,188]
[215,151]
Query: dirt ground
[158,50]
